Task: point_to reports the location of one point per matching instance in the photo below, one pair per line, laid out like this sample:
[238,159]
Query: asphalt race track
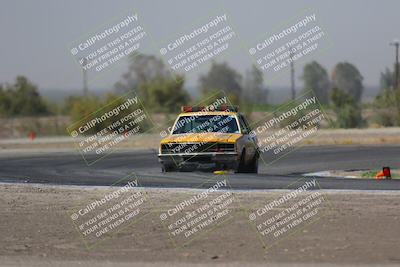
[69,168]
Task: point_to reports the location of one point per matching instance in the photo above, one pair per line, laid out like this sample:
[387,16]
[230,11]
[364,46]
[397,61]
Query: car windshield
[206,123]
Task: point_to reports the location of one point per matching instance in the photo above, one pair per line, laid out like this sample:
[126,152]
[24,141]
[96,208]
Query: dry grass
[379,136]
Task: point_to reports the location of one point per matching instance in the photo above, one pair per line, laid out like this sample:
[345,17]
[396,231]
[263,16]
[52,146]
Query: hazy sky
[35,35]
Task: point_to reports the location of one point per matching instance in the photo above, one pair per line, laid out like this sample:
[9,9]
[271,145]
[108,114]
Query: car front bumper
[228,159]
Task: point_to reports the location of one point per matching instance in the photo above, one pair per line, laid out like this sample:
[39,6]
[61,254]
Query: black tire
[241,167]
[253,165]
[168,168]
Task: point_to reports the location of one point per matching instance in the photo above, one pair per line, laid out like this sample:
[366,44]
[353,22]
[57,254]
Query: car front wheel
[168,168]
[252,167]
[241,166]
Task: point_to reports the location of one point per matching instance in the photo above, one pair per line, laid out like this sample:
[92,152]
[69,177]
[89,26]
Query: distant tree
[348,79]
[5,102]
[165,95]
[158,89]
[143,69]
[21,98]
[386,79]
[348,111]
[84,108]
[385,108]
[386,103]
[253,86]
[222,77]
[316,78]
[80,107]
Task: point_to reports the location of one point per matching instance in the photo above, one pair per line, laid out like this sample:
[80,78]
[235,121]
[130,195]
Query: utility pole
[396,88]
[84,72]
[396,43]
[292,88]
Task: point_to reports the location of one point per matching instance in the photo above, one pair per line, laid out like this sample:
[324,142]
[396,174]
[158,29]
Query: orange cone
[380,175]
[32,135]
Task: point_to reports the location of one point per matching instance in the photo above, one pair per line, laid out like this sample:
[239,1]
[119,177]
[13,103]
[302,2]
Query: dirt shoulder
[380,136]
[36,229]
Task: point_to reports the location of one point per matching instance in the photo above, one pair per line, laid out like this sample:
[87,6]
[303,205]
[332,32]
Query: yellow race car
[218,138]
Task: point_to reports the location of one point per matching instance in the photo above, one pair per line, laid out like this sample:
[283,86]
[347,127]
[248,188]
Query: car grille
[188,148]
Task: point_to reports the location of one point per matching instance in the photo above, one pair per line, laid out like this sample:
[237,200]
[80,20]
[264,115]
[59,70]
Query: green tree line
[164,92]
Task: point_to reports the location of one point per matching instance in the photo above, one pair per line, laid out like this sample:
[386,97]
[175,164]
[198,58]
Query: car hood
[202,137]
